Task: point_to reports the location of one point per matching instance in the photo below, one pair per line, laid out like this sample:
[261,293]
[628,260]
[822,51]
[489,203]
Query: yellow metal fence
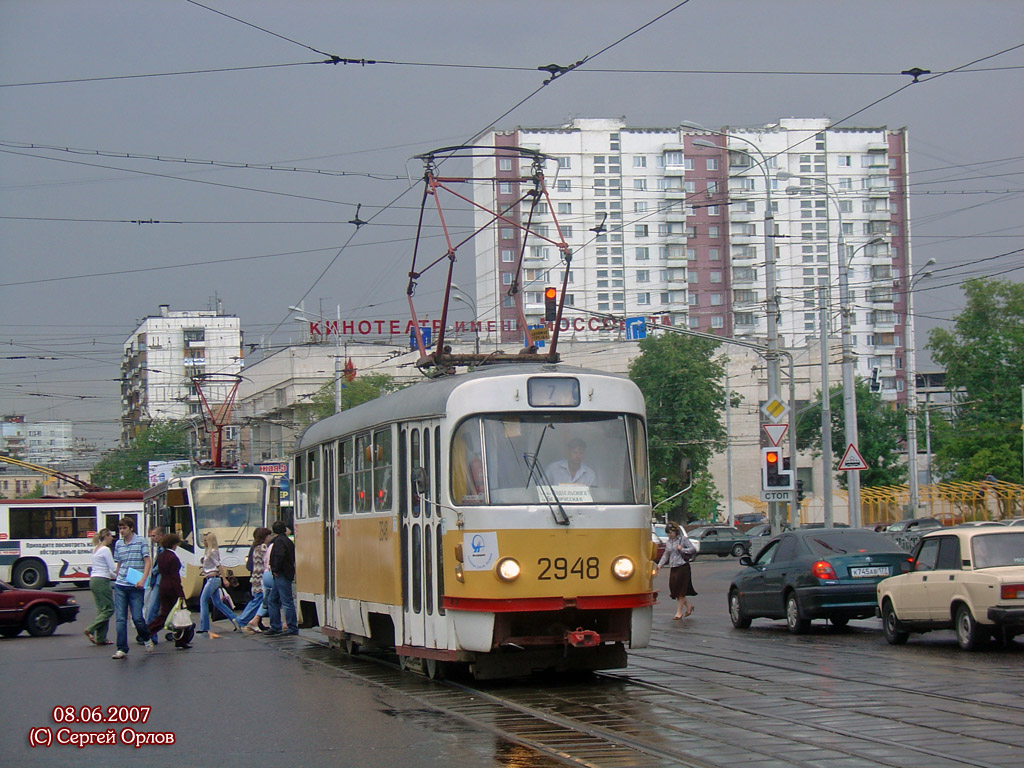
[951,503]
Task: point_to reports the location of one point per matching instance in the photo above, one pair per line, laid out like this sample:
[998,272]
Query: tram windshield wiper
[533,461]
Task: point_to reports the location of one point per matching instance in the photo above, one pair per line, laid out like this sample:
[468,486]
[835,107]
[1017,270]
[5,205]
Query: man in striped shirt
[131,553]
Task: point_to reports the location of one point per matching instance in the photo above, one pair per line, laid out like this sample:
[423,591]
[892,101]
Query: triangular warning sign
[775,432]
[852,459]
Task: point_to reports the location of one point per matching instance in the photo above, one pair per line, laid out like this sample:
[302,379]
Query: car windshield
[824,544]
[659,531]
[997,550]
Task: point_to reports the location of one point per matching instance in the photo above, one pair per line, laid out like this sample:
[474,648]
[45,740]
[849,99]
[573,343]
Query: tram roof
[422,400]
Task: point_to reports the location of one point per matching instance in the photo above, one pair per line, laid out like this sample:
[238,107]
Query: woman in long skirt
[678,553]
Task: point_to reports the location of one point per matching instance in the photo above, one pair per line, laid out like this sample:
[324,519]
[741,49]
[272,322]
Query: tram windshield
[230,507]
[531,458]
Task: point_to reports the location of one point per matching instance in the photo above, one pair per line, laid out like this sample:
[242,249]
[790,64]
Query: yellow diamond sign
[775,410]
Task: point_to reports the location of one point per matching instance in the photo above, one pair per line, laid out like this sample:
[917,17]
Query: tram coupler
[582,638]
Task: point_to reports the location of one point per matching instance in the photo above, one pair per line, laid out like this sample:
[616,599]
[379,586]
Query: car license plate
[868,571]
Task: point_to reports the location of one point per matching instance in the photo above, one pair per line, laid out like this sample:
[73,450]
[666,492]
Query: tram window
[417,566]
[345,470]
[466,465]
[313,484]
[328,475]
[428,576]
[638,445]
[428,491]
[403,467]
[581,458]
[382,474]
[437,464]
[414,450]
[364,474]
[439,562]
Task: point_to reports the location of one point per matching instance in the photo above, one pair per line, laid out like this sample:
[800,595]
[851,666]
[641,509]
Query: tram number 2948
[559,568]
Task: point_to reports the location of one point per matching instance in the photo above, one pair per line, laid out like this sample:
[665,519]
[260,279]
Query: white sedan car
[970,579]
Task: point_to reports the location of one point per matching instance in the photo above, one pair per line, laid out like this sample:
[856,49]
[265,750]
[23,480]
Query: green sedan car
[721,540]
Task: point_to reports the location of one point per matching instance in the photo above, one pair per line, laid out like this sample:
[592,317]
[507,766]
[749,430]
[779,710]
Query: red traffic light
[772,457]
[550,294]
[550,304]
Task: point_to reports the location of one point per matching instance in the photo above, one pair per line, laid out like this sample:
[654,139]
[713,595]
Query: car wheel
[30,574]
[10,631]
[41,621]
[738,550]
[839,621]
[969,635]
[796,624]
[739,619]
[890,626]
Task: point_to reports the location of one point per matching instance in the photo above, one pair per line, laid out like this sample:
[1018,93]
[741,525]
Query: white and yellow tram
[498,518]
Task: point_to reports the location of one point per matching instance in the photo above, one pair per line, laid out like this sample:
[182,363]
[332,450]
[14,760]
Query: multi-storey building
[162,357]
[38,442]
[670,223]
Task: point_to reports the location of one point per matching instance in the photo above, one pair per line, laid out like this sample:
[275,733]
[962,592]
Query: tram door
[330,515]
[421,529]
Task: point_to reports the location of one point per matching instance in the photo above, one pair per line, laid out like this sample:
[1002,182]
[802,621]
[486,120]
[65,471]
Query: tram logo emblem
[481,550]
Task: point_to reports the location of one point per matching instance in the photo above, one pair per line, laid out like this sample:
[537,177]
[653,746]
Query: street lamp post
[912,482]
[850,432]
[463,298]
[771,297]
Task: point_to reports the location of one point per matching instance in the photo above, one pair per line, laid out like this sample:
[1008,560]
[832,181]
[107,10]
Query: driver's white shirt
[558,473]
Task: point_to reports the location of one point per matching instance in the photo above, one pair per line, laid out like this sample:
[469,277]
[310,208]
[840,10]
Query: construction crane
[52,473]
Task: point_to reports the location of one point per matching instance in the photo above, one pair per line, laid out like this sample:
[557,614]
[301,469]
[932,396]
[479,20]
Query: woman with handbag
[169,567]
[679,551]
[213,572]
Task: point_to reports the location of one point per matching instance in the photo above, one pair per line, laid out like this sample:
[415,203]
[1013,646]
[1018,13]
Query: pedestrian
[678,552]
[282,566]
[131,554]
[213,573]
[249,618]
[100,574]
[152,602]
[169,566]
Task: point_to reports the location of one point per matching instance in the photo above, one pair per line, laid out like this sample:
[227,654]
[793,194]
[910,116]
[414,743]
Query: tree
[682,386]
[984,355]
[361,389]
[127,468]
[879,428]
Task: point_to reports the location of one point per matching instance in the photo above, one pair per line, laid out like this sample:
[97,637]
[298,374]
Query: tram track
[633,718]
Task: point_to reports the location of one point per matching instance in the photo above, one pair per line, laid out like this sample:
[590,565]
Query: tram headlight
[622,568]
[508,569]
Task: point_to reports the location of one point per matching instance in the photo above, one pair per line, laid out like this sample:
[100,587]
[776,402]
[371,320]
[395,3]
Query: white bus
[48,541]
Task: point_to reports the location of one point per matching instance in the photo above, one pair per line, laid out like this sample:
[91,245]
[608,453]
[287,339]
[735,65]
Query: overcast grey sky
[77,274]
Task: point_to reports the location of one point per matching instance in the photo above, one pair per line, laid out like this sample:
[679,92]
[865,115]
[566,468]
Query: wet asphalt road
[240,700]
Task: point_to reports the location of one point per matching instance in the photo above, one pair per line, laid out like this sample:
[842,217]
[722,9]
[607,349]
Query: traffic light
[799,491]
[774,476]
[550,305]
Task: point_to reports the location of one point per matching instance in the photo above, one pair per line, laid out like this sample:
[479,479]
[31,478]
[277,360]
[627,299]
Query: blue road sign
[636,328]
[425,331]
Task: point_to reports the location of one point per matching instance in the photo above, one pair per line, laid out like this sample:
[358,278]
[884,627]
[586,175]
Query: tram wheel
[433,669]
[351,647]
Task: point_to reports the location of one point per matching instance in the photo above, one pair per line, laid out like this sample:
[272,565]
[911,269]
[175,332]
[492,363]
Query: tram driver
[572,470]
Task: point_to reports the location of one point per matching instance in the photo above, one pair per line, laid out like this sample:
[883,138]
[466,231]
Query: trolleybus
[452,522]
[231,505]
[47,541]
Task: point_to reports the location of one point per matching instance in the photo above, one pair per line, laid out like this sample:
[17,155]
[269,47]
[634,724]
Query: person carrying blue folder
[131,553]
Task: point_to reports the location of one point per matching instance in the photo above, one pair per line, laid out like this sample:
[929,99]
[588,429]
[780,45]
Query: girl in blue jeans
[212,572]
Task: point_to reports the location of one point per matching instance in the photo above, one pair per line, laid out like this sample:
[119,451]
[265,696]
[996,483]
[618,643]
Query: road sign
[538,333]
[775,410]
[776,496]
[775,432]
[636,328]
[425,332]
[852,459]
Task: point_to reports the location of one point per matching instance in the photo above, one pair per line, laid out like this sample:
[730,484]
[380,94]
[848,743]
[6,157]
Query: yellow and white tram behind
[498,518]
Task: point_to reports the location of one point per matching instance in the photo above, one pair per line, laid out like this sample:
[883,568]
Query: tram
[498,519]
[230,504]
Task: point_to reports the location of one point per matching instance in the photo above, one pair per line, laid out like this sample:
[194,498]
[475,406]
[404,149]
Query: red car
[38,611]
